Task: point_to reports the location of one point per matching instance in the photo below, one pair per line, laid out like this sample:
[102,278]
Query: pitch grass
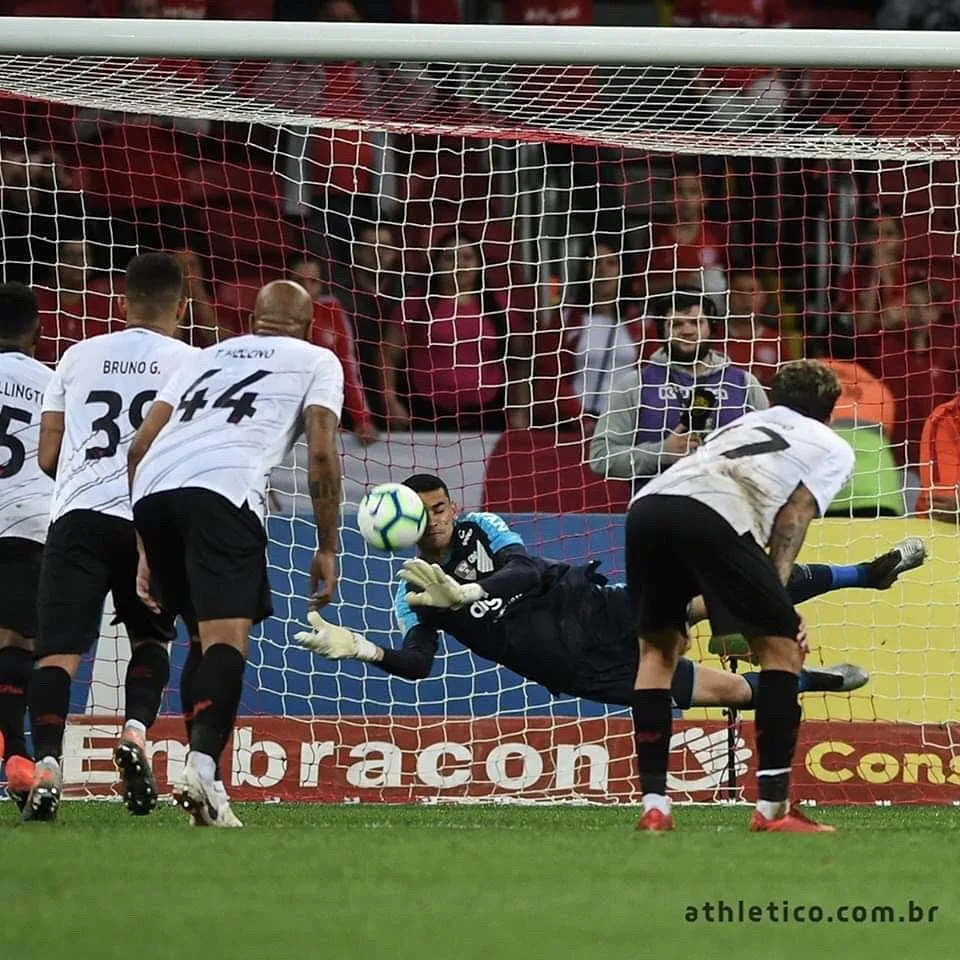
[432,883]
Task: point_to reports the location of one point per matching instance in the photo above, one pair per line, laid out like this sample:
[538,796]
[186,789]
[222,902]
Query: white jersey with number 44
[237,410]
[25,489]
[748,470]
[104,387]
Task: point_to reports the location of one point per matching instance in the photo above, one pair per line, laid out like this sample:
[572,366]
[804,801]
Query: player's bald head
[283,308]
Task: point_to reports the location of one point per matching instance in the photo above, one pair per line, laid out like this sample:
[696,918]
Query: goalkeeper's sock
[147,674]
[217,686]
[190,667]
[16,665]
[777,726]
[810,580]
[652,726]
[49,701]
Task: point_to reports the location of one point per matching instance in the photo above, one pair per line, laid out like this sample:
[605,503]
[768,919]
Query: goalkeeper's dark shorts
[576,638]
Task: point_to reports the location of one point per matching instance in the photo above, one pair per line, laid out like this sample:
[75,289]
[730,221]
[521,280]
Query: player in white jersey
[198,473]
[97,398]
[701,528]
[24,513]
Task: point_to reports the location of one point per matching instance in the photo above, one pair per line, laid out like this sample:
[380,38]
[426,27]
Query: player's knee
[67,662]
[778,653]
[663,645]
[10,638]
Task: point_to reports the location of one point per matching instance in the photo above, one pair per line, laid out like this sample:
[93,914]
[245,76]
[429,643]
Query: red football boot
[656,821]
[793,821]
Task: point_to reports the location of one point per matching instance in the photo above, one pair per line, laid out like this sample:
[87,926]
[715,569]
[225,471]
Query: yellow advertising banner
[907,637]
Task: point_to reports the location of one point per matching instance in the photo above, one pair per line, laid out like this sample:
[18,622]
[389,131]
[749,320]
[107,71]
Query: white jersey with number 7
[237,410]
[750,469]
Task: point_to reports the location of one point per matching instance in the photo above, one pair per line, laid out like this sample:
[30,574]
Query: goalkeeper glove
[436,588]
[335,642]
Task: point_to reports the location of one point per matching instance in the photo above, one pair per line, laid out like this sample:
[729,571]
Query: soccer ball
[391,517]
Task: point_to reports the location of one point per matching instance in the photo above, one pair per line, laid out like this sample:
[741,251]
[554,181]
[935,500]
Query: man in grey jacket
[664,408]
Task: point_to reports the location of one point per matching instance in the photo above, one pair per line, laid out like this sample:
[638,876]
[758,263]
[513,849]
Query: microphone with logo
[700,416]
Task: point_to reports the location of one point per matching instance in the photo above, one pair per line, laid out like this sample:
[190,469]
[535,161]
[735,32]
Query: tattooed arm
[790,529]
[323,475]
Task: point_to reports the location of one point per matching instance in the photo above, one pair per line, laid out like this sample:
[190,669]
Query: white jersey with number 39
[750,469]
[24,488]
[237,410]
[104,387]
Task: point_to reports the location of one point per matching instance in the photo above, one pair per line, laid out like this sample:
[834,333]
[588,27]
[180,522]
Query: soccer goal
[559,179]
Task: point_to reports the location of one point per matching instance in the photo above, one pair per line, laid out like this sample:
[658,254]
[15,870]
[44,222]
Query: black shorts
[20,576]
[207,557]
[88,555]
[678,548]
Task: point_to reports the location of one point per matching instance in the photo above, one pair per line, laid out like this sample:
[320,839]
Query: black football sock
[808,580]
[147,674]
[48,697]
[16,666]
[190,667]
[217,686]
[777,728]
[652,726]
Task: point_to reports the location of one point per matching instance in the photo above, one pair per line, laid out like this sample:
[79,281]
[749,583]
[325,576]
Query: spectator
[917,360]
[664,408]
[458,344]
[77,306]
[753,337]
[940,463]
[599,337]
[38,201]
[874,290]
[330,329]
[691,252]
[370,292]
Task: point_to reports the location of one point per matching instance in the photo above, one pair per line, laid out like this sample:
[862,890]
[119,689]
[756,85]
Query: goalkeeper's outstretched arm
[411,661]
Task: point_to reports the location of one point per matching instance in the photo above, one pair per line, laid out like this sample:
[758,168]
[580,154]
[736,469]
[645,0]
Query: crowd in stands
[664,330]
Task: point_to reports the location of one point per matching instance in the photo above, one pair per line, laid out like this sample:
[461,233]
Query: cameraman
[665,407]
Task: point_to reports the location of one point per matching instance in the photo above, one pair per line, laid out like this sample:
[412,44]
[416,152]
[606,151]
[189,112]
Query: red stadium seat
[545,471]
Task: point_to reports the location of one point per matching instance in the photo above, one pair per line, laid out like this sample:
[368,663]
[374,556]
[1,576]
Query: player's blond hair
[808,387]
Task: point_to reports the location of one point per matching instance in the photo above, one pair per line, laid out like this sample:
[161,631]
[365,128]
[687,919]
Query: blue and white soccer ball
[391,517]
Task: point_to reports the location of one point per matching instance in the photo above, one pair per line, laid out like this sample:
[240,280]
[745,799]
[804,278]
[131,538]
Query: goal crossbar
[478,43]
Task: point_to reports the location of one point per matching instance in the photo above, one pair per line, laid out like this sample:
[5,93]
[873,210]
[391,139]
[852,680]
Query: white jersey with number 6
[237,410]
[25,489]
[104,387]
[750,469]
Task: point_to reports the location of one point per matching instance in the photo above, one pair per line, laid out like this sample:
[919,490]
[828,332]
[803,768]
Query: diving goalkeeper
[558,625]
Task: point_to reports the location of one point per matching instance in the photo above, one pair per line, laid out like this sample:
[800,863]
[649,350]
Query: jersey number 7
[195,397]
[773,444]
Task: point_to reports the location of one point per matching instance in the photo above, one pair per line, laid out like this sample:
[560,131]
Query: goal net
[484,241]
